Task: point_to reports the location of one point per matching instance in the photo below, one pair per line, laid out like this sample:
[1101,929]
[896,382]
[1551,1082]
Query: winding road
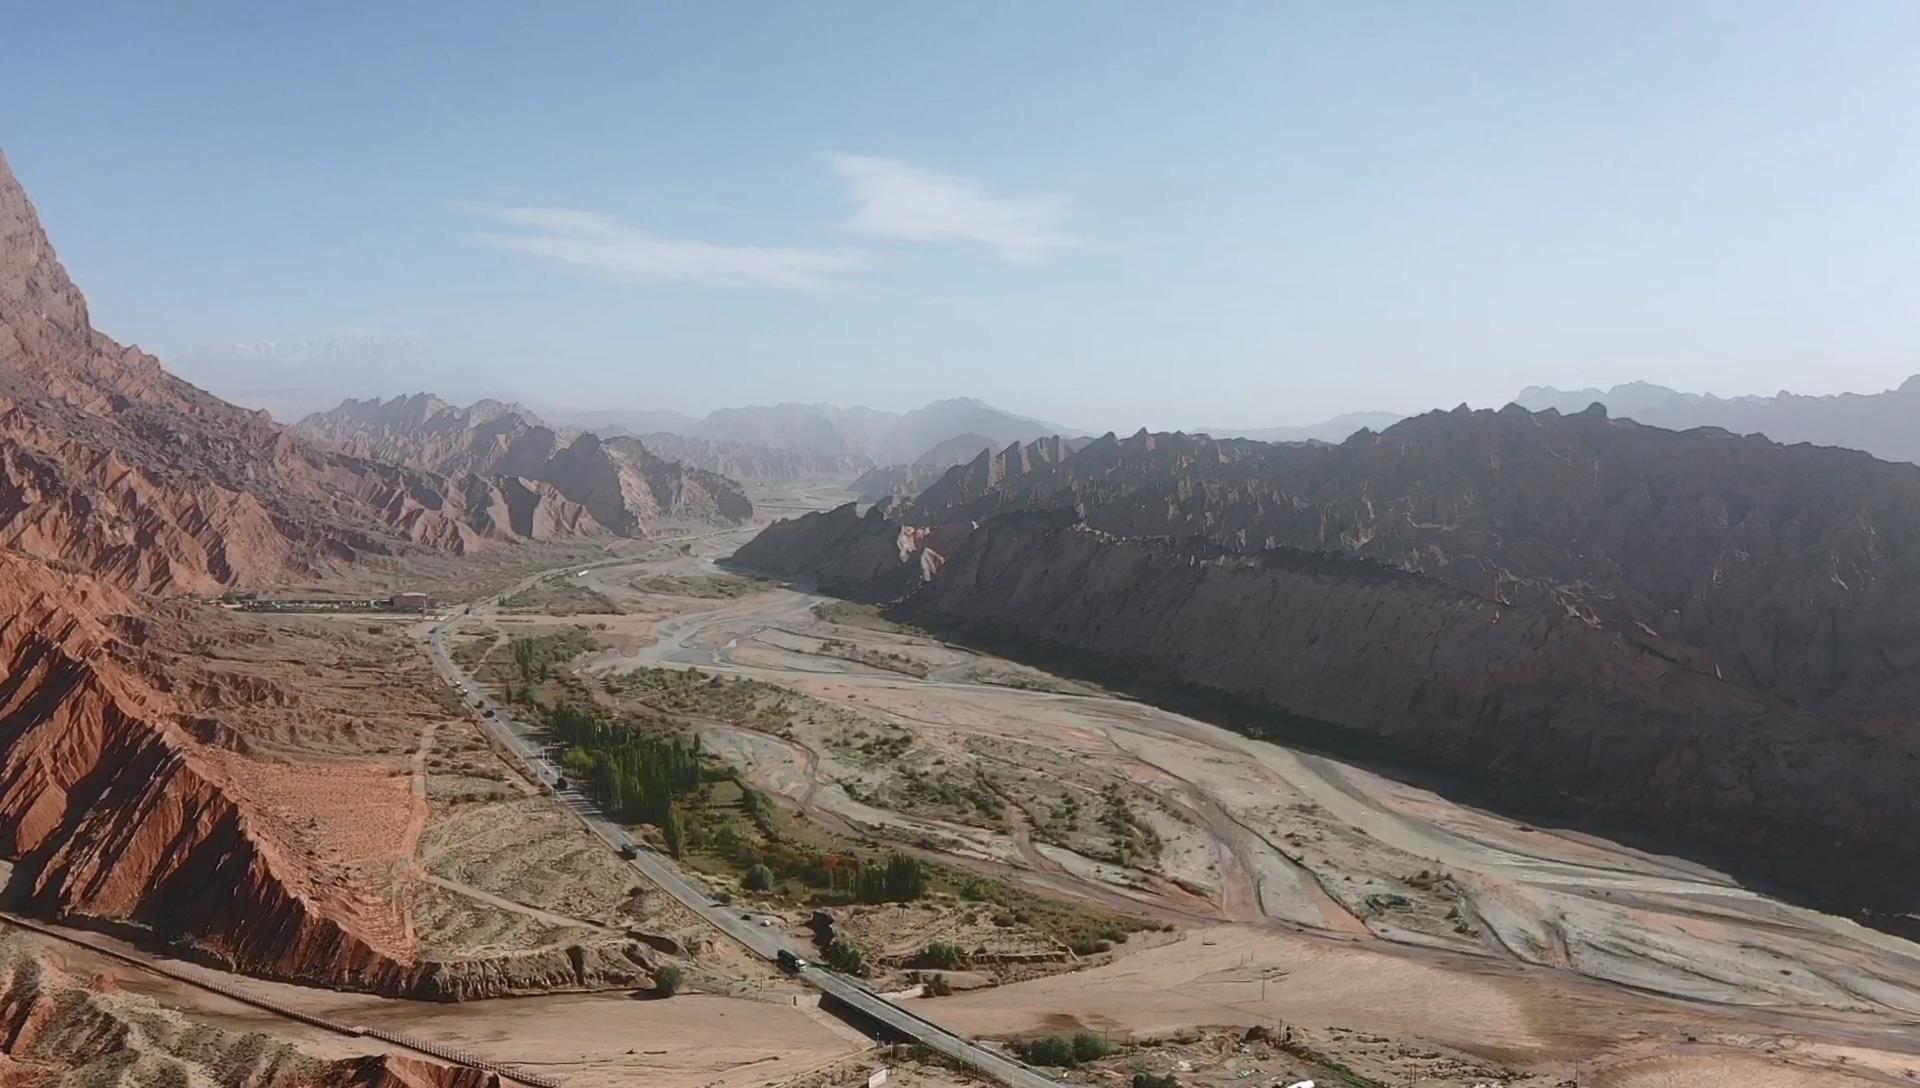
[522,739]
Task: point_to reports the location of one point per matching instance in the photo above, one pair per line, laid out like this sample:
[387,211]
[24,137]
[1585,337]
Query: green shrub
[944,956]
[759,879]
[666,980]
[846,957]
[1049,1050]
[1088,1047]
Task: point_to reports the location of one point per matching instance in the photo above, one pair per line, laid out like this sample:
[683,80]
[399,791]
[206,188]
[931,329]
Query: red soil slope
[114,813]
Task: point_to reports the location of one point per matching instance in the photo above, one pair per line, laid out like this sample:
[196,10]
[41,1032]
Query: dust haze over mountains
[820,440]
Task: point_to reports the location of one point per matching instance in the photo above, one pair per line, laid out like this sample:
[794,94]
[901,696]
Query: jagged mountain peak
[40,307]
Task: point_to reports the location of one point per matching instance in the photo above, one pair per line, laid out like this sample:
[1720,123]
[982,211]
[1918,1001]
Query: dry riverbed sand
[1386,907]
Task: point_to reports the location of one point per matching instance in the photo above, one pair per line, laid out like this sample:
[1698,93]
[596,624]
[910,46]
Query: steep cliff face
[1707,639]
[111,463]
[619,483]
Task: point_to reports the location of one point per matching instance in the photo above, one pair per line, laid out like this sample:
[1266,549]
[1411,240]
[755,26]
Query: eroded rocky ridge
[128,802]
[1707,639]
[59,1029]
[913,477]
[619,482]
[110,462]
[161,775]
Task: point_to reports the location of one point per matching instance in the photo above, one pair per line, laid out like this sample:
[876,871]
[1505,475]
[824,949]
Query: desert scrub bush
[944,956]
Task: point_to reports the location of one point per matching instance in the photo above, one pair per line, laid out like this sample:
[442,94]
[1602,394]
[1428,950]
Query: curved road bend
[522,738]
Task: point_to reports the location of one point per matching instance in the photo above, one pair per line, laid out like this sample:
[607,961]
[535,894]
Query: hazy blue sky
[1106,214]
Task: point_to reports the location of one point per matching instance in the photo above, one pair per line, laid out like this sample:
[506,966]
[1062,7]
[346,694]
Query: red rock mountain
[109,462]
[1706,639]
[620,482]
[127,801]
[131,793]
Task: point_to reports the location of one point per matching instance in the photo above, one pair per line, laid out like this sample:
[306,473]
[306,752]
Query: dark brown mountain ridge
[1707,639]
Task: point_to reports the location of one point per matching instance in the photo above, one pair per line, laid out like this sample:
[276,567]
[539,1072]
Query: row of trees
[632,776]
[898,879]
[901,879]
[640,778]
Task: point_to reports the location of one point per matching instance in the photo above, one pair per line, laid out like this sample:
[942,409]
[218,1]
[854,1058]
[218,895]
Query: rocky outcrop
[1705,639]
[396,1071]
[997,480]
[59,1029]
[870,558]
[619,483]
[109,462]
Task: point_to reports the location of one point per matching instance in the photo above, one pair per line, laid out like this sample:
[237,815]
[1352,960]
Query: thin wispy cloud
[896,199]
[606,245]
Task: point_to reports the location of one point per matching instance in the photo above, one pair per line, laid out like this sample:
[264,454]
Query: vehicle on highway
[790,963]
[628,852]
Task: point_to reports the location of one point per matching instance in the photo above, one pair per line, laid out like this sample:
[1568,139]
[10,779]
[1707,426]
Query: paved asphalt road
[762,941]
